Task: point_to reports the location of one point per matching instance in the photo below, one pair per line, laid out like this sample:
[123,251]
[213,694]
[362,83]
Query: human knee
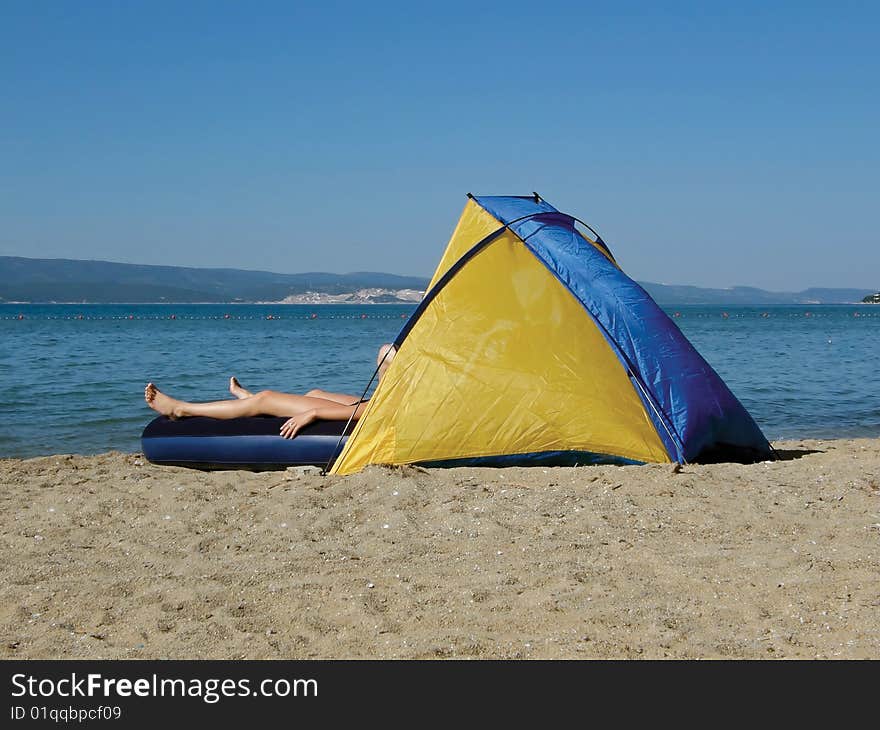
[315,393]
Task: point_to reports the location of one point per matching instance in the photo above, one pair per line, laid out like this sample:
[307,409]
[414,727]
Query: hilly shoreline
[31,280]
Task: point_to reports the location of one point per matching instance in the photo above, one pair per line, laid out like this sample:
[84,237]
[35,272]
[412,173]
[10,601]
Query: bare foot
[237,390]
[161,403]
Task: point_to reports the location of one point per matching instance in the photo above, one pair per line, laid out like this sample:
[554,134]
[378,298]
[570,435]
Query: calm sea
[73,375]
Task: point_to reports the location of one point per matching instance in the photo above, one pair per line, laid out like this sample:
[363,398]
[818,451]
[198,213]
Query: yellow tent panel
[474,225]
[503,361]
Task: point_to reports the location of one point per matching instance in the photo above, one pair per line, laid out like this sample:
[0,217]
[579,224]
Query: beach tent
[531,346]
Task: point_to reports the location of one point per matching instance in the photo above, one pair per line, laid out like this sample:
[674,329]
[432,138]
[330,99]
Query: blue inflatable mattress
[239,443]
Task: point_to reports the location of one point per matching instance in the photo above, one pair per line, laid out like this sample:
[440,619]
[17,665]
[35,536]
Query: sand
[111,557]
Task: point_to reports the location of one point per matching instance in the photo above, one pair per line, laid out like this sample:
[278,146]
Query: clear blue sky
[710,143]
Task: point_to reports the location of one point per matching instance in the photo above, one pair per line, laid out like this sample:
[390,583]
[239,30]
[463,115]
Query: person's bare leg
[237,389]
[341,398]
[264,403]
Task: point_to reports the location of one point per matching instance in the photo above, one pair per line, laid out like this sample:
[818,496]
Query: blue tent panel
[694,411]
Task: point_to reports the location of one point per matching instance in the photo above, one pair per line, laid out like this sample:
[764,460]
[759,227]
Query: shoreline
[108,556]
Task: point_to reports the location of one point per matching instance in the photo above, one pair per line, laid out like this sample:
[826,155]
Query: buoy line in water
[312,316]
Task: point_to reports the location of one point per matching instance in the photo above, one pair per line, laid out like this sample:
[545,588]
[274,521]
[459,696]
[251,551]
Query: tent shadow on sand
[792,454]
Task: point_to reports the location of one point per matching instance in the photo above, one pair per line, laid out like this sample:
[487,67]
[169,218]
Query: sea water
[72,376]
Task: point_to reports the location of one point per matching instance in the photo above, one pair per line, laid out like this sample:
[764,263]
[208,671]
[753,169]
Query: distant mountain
[672,295]
[67,280]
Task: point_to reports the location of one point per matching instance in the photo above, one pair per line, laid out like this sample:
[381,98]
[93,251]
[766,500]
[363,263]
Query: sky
[713,144]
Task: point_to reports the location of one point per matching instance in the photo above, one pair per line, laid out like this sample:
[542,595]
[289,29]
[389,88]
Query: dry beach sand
[108,556]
